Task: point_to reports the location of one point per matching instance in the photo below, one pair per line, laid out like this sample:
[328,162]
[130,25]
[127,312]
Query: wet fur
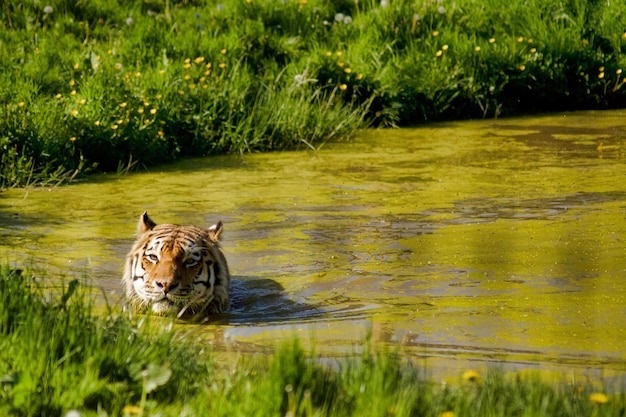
[174,269]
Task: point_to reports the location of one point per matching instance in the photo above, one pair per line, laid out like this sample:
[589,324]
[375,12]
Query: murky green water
[462,242]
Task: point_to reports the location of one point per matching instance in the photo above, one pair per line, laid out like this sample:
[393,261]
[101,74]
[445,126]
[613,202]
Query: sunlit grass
[92,85]
[59,358]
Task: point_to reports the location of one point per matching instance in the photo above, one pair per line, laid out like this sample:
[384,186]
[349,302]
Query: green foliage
[115,84]
[57,355]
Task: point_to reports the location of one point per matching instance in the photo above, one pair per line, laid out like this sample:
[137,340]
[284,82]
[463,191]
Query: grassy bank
[57,357]
[117,84]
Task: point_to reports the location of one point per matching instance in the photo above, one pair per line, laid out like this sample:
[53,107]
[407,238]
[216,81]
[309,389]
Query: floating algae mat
[463,243]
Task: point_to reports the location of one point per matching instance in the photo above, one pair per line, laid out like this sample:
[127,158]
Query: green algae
[482,240]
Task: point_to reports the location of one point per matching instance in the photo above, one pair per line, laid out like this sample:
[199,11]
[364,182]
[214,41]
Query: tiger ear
[215,231]
[145,224]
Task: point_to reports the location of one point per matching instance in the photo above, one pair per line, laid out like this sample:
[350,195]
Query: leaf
[24,389]
[71,289]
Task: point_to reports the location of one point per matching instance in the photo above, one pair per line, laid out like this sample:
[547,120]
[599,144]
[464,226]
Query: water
[464,243]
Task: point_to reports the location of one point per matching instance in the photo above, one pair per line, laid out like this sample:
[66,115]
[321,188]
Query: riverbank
[112,85]
[60,358]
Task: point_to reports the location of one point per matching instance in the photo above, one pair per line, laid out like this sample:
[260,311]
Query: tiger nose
[166,285]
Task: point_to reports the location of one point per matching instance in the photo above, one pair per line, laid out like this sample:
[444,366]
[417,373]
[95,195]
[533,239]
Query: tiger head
[174,269]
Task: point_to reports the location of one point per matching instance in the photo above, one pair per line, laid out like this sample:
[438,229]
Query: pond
[465,244]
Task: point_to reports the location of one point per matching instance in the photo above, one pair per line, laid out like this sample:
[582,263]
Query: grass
[124,84]
[59,358]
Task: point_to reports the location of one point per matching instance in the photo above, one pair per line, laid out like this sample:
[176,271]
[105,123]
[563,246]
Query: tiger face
[174,269]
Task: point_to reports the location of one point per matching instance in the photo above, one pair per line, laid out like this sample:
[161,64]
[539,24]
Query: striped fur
[175,269]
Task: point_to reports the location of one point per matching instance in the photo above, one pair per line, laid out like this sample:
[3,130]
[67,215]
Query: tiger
[176,270]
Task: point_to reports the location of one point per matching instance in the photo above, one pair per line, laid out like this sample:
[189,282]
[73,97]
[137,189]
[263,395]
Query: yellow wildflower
[122,105]
[82,101]
[439,53]
[328,53]
[187,60]
[601,75]
[114,127]
[162,71]
[599,398]
[447,414]
[471,376]
[72,83]
[347,70]
[222,65]
[492,40]
[223,51]
[444,48]
[187,66]
[153,111]
[159,96]
[520,39]
[619,71]
[435,33]
[73,139]
[359,76]
[74,112]
[533,50]
[76,66]
[199,60]
[21,104]
[343,87]
[131,409]
[208,65]
[73,92]
[522,67]
[59,96]
[187,77]
[137,74]
[140,110]
[97,123]
[477,48]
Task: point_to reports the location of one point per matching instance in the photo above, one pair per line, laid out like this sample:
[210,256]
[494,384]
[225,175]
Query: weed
[115,85]
[57,355]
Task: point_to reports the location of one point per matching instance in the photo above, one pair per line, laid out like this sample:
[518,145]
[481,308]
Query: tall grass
[58,357]
[102,84]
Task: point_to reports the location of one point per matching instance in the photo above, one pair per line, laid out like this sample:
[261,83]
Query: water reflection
[463,242]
